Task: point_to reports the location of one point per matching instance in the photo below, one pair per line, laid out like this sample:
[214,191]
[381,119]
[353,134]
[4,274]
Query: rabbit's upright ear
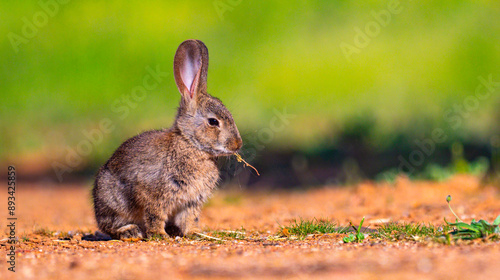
[190,68]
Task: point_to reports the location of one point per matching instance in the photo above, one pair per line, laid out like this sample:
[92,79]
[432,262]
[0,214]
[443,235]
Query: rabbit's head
[202,118]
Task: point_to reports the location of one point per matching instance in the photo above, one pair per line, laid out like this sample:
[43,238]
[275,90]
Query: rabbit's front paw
[157,234]
[130,231]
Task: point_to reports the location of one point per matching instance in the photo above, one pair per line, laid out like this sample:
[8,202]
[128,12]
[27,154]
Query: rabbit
[155,183]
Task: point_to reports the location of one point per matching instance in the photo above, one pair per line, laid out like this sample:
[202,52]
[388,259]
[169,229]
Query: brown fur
[155,183]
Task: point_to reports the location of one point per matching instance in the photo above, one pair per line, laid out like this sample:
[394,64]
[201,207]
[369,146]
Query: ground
[52,220]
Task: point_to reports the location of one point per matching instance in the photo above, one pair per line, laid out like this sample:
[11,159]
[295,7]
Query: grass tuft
[229,234]
[303,228]
[404,231]
[44,232]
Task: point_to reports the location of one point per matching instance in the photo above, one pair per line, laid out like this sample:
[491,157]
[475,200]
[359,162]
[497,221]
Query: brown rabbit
[156,182]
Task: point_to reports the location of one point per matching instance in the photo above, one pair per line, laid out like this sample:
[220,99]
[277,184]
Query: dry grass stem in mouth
[240,159]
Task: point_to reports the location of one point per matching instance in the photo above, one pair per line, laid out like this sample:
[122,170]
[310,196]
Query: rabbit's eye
[213,122]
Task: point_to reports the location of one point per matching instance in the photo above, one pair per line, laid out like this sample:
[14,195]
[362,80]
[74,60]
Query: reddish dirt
[45,212]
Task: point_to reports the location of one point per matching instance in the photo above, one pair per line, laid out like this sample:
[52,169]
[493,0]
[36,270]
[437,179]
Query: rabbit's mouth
[222,151]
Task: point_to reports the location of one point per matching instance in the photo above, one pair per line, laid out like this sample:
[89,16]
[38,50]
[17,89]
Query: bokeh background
[322,91]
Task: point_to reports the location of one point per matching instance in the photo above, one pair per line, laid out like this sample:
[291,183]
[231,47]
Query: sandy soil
[46,213]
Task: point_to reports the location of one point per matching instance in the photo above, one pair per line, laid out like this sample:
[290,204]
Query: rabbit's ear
[190,68]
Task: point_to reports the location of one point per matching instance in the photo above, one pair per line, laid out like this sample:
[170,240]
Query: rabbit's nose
[236,144]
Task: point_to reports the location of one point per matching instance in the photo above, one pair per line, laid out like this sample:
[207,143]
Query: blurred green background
[360,78]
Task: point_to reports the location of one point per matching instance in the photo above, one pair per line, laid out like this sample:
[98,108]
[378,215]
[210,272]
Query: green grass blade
[496,222]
